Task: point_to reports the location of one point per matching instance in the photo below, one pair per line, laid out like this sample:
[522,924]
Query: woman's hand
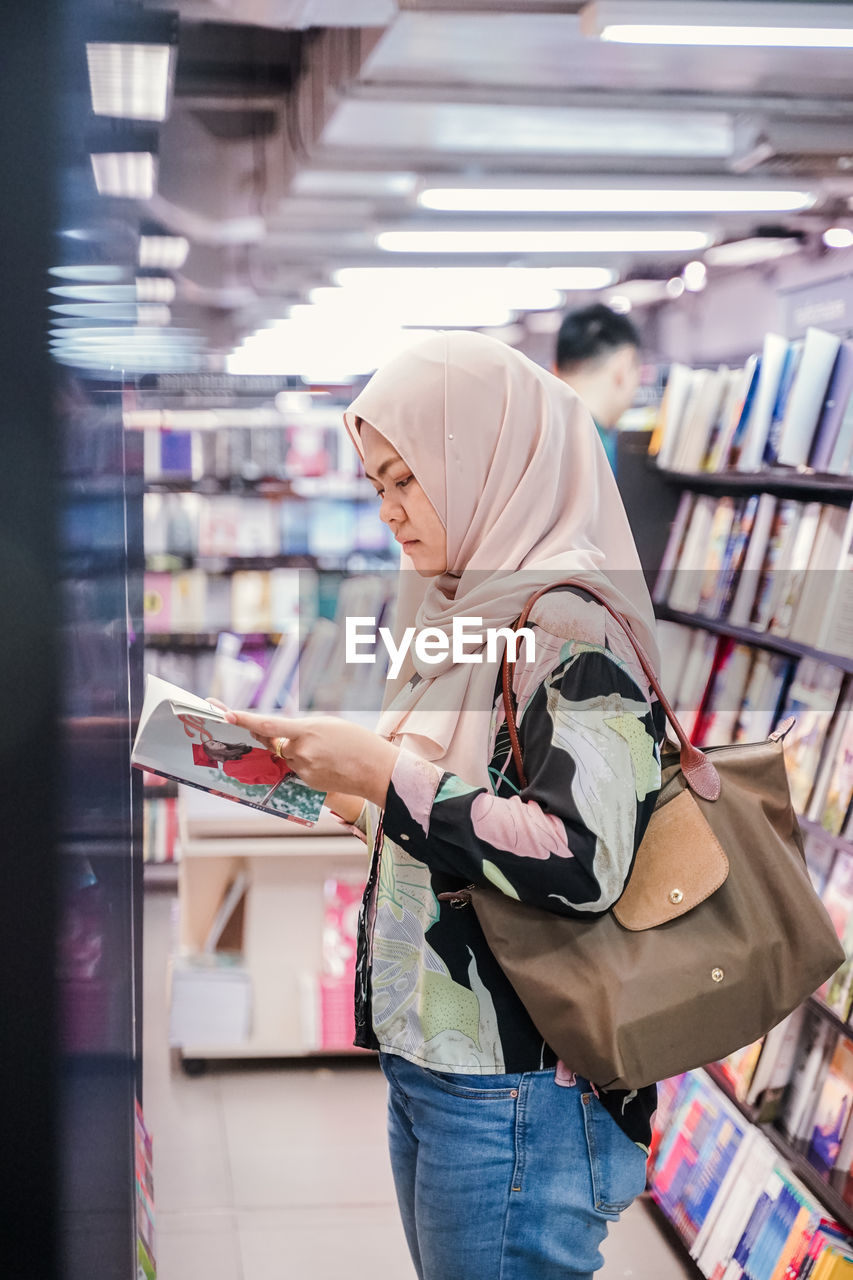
[329,754]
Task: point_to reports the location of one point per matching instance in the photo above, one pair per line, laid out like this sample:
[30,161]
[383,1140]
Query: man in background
[598,355]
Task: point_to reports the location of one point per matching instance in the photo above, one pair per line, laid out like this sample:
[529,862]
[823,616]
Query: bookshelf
[783,483]
[221,504]
[827,1192]
[754,586]
[749,636]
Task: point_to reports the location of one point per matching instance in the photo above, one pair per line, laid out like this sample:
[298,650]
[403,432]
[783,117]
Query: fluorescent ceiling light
[345,182]
[707,22]
[749,252]
[155,289]
[97,273]
[95,292]
[640,293]
[613,200]
[153,313]
[509,282]
[130,174]
[695,276]
[168,253]
[131,81]
[96,310]
[637,240]
[319,349]
[838,237]
[458,312]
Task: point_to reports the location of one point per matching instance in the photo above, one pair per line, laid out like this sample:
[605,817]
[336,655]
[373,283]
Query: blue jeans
[505,1177]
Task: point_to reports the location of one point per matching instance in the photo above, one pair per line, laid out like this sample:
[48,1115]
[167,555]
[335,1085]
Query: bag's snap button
[676,896]
[717,975]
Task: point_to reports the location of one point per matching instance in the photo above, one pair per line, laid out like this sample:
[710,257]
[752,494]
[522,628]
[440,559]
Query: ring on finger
[278,747]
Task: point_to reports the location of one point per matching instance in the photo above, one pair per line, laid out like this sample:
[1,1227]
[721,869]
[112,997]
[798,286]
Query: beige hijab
[510,458]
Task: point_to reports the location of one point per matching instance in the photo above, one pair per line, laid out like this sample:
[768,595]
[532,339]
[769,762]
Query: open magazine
[184,737]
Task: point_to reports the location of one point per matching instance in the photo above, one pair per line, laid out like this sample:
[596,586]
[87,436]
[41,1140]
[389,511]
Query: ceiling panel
[547,51]
[502,128]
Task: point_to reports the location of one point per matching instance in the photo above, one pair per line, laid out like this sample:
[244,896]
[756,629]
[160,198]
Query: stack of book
[790,405]
[732,1198]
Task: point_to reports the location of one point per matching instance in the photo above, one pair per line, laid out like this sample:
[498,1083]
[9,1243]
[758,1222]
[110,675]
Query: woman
[491,476]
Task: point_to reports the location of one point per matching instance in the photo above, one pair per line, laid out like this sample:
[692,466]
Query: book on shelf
[341,905]
[786,381]
[838,900]
[791,569]
[777,553]
[775,1064]
[823,581]
[807,396]
[820,849]
[759,709]
[815,1047]
[729,447]
[675,542]
[717,720]
[834,408]
[812,699]
[686,584]
[832,1110]
[831,630]
[841,459]
[757,428]
[187,738]
[757,529]
[707,391]
[720,445]
[675,396]
[726,514]
[833,789]
[694,680]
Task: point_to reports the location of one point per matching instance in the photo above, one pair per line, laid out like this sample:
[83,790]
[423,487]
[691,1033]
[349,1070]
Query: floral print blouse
[427,985]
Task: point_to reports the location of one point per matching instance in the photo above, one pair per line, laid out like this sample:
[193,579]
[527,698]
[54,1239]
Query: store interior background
[293,134]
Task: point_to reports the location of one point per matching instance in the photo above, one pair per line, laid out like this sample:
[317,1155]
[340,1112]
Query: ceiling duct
[299,15]
[777,145]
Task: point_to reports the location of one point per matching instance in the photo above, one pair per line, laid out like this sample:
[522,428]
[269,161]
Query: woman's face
[405,508]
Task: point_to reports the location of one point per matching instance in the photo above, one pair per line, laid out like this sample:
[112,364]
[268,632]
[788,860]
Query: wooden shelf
[284,846]
[748,635]
[784,484]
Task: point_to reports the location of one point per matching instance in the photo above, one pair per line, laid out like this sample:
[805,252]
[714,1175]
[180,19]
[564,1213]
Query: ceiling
[300,129]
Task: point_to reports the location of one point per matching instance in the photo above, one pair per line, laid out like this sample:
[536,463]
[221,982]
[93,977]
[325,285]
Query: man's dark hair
[592,332]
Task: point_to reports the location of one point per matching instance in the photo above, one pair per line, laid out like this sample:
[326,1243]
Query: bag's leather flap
[679,864]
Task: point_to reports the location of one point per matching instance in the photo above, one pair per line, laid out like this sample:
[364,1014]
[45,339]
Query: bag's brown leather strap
[699,772]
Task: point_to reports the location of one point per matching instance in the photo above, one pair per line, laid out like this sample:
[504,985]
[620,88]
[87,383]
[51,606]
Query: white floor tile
[198,1247]
[329,1243]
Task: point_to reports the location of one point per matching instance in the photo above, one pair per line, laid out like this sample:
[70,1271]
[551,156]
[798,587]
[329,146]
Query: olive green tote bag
[717,936]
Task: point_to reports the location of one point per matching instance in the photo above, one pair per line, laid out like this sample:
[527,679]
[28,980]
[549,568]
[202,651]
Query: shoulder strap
[699,772]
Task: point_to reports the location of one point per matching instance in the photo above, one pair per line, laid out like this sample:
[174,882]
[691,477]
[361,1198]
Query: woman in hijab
[491,476]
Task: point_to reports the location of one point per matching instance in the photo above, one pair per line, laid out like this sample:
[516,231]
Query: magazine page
[187,738]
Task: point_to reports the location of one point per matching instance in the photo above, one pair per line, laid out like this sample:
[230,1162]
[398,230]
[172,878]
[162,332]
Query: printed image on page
[187,738]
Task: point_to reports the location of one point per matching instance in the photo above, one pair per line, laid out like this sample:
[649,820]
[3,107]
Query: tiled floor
[280,1172]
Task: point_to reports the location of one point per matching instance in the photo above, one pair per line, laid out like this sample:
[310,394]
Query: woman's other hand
[329,754]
